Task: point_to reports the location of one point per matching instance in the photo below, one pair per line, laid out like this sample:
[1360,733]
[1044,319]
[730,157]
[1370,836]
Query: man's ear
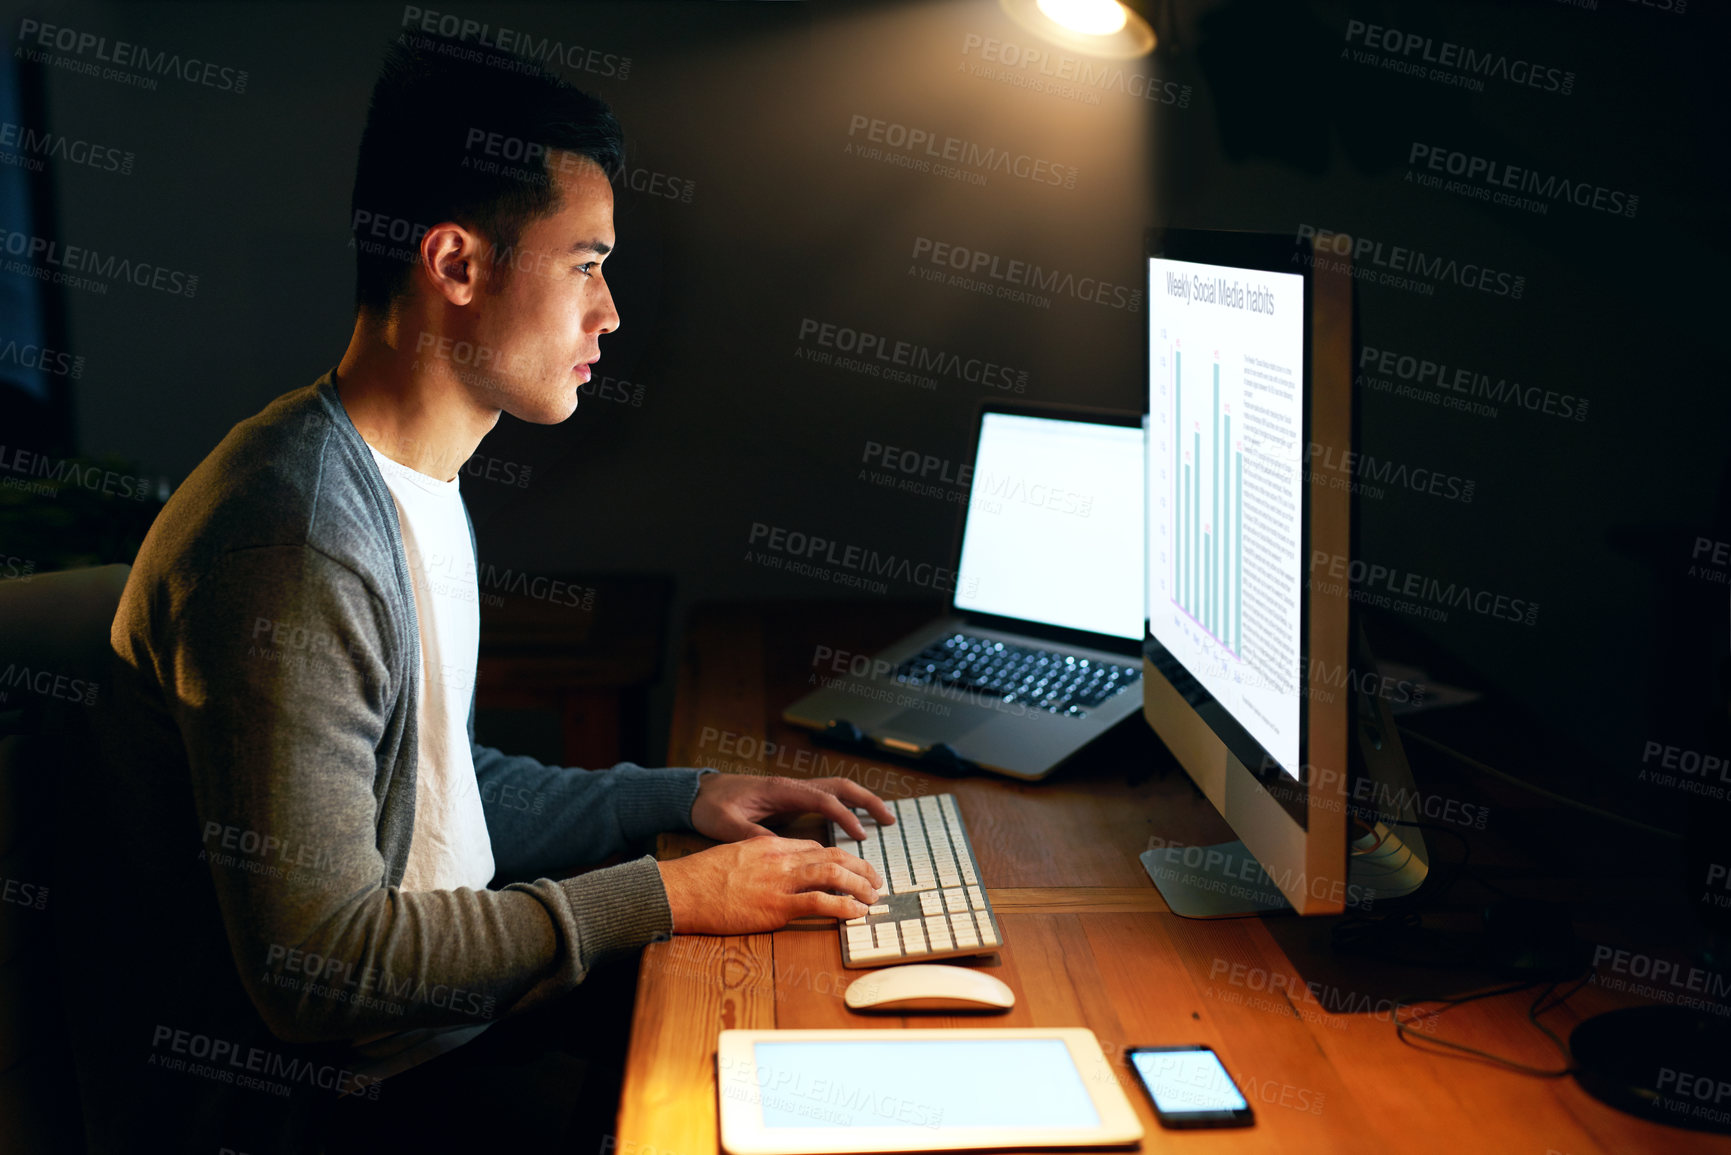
[451,262]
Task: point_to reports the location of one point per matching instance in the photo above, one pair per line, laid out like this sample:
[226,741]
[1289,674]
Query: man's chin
[545,410]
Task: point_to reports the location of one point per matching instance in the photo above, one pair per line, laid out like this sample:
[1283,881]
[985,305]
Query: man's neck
[411,409]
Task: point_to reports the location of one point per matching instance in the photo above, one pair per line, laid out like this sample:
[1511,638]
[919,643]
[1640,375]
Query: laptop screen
[1054,528]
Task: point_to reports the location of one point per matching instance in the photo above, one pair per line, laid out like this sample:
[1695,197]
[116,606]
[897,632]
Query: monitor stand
[1390,861]
[1219,881]
[1225,880]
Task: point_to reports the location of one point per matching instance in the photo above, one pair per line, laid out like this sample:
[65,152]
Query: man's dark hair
[459,132]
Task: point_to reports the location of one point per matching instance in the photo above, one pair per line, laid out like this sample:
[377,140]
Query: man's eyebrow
[600,247]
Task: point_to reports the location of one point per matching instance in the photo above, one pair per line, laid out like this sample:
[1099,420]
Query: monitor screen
[1055,525]
[1226,572]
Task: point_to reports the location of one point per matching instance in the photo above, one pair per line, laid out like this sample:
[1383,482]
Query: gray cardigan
[264,713]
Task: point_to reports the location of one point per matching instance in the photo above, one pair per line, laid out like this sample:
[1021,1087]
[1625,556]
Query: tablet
[811,1092]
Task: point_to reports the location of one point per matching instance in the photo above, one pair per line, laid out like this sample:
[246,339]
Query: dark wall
[712,418]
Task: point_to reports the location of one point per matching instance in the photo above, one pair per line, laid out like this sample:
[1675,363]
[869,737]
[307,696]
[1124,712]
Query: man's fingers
[834,809]
[854,795]
[856,864]
[795,797]
[817,903]
[835,876]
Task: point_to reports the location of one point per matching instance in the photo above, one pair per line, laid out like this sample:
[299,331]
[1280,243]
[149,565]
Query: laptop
[1041,651]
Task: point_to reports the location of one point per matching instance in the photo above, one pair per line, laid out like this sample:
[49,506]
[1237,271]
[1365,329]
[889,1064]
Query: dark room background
[780,221]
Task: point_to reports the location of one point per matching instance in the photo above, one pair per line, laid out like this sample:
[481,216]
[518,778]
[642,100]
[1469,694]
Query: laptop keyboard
[932,905]
[1049,680]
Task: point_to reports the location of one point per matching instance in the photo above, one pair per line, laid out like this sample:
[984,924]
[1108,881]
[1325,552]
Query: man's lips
[582,368]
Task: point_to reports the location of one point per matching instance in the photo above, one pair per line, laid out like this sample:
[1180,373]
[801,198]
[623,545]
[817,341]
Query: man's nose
[604,318]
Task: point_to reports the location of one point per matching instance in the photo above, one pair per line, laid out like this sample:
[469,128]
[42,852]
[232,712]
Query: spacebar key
[861,954]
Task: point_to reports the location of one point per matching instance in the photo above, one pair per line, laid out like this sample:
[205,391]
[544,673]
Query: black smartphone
[1189,1087]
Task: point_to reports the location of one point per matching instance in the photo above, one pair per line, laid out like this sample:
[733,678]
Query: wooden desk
[1088,942]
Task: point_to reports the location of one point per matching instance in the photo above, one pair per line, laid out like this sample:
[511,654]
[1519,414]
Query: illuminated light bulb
[1088,17]
[1107,29]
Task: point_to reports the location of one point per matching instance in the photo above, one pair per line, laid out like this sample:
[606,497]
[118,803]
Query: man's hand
[730,807]
[762,883]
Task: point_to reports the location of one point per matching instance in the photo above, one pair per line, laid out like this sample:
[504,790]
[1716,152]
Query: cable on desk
[1403,1026]
[1511,780]
[1534,1011]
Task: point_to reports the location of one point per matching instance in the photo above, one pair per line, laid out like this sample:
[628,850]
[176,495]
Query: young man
[298,800]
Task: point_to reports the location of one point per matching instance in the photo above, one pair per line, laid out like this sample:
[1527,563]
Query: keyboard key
[988,933]
[880,908]
[860,937]
[955,901]
[913,937]
[976,898]
[886,936]
[875,954]
[930,903]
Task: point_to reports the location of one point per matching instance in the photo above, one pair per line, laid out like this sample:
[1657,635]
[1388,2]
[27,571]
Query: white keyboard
[933,905]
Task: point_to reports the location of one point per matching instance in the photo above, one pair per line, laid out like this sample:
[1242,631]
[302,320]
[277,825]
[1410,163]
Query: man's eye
[586,266]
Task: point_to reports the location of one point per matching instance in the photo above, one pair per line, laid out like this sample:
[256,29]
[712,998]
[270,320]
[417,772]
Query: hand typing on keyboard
[764,881]
[732,806]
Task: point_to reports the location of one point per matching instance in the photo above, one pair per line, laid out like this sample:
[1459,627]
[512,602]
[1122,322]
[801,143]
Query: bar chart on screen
[1226,445]
[1208,553]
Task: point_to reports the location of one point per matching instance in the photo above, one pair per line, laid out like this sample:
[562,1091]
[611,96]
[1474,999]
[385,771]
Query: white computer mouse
[928,987]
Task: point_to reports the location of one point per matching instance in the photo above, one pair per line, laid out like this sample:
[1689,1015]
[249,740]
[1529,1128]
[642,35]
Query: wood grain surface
[1087,942]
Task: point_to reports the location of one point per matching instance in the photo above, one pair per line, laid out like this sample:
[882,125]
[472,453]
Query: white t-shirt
[450,847]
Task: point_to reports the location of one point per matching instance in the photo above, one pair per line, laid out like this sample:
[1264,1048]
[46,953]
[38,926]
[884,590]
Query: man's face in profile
[544,304]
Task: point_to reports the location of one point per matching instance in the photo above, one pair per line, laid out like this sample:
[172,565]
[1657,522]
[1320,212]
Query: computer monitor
[1252,669]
